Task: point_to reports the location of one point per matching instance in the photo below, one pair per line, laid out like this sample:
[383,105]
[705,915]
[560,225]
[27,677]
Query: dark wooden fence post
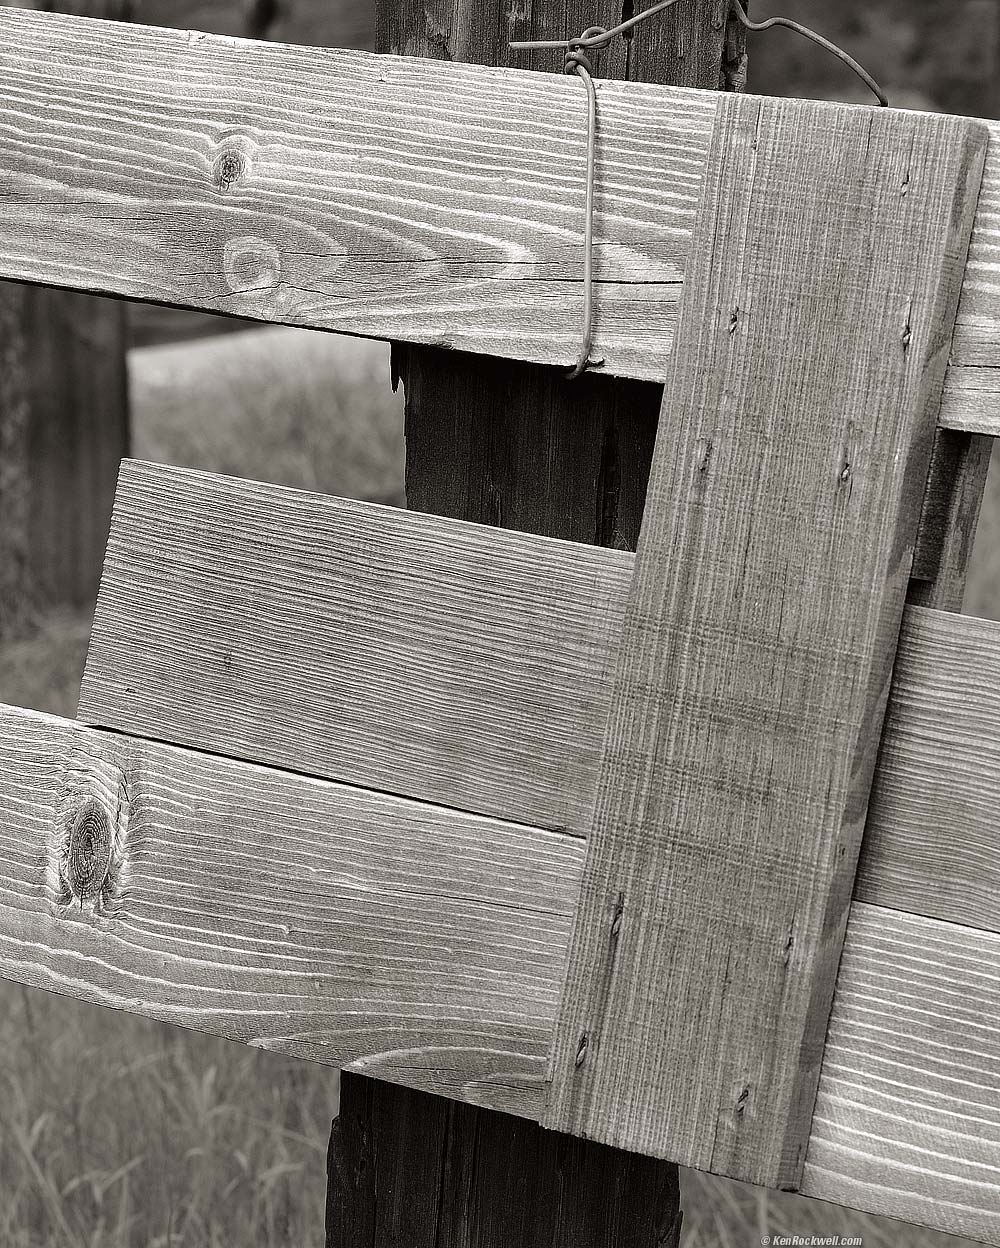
[517,446]
[63,429]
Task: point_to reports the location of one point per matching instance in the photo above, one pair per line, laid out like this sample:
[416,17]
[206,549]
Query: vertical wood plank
[79,433]
[410,1170]
[519,446]
[787,479]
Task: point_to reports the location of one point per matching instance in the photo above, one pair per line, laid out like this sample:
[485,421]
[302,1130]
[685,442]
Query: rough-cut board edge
[932,841]
[449,662]
[656,134]
[923,842]
[907,1120]
[401,940]
[210,923]
[971,399]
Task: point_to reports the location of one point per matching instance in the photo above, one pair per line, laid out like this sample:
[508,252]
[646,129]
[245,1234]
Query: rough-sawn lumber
[760,629]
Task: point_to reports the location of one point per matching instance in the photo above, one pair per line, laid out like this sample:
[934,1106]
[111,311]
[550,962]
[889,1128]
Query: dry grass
[117,1132]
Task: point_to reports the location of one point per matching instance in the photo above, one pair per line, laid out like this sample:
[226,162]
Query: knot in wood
[230,166]
[251,263]
[88,852]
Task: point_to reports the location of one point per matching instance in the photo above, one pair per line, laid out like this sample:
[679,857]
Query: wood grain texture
[971,398]
[517,446]
[949,515]
[932,843]
[369,208]
[296,674]
[406,941]
[419,656]
[408,1170]
[907,1118]
[977,328]
[759,632]
[349,927]
[391,197]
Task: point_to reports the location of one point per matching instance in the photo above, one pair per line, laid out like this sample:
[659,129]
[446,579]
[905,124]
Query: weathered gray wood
[953,499]
[337,638]
[971,398]
[363,210]
[406,941]
[759,631]
[409,1170]
[446,661]
[907,1118]
[398,198]
[932,843]
[79,433]
[427,947]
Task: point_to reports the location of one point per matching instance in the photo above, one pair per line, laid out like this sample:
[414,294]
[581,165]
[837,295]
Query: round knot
[88,852]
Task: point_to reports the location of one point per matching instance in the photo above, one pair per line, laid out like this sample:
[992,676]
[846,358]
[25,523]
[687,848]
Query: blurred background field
[117,1131]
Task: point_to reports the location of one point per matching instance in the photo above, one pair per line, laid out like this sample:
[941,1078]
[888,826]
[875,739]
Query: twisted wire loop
[578,62]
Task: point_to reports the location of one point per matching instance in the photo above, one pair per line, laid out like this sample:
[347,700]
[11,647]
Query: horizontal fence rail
[904,1093]
[398,198]
[427,945]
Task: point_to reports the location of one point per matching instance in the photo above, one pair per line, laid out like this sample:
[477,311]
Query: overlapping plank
[932,842]
[971,398]
[377,934]
[907,1118]
[760,630]
[427,947]
[445,661]
[395,198]
[223,625]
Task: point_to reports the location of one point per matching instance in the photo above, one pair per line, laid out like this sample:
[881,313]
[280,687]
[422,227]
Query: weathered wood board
[907,1119]
[364,209]
[400,939]
[399,198]
[760,630]
[176,656]
[935,805]
[428,946]
[444,661]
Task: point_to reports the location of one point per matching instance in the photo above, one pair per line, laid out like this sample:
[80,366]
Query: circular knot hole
[88,851]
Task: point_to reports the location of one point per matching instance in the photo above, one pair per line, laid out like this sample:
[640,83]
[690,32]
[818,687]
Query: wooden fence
[557,830]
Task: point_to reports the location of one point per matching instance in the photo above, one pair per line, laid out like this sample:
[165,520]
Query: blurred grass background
[116,1131]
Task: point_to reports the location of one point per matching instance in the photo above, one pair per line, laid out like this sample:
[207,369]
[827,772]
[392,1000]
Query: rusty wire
[578,62]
